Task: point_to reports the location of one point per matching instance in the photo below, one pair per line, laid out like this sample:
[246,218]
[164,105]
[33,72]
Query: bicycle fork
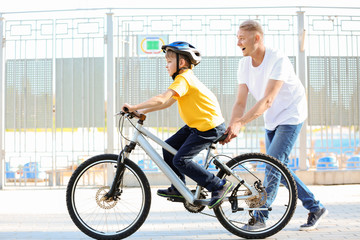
[120,169]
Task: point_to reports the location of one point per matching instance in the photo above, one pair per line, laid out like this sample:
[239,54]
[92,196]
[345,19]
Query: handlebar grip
[141,116]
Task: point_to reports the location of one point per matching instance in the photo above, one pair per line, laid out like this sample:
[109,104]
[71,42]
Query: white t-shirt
[289,107]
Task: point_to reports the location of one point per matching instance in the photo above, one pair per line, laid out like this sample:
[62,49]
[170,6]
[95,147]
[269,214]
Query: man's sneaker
[314,219]
[169,193]
[218,195]
[256,226]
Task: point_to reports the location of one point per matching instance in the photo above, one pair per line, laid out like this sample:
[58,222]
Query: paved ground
[42,214]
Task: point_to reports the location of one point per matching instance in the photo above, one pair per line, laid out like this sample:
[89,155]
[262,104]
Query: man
[269,76]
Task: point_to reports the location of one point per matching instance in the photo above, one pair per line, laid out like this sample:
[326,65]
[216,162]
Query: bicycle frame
[166,169]
[116,214]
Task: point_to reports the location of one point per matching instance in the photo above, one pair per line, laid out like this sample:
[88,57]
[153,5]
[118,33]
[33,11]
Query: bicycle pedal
[175,199]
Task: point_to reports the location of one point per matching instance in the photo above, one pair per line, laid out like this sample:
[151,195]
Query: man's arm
[237,121]
[158,102]
[237,112]
[271,91]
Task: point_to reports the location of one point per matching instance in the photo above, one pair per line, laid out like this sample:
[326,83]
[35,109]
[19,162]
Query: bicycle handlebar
[140,116]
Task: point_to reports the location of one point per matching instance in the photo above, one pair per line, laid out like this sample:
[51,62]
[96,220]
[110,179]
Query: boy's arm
[160,101]
[169,102]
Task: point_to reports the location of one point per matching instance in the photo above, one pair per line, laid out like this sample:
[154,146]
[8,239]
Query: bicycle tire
[107,220]
[234,222]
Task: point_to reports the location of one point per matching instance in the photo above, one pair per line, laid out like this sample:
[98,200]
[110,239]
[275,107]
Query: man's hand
[232,131]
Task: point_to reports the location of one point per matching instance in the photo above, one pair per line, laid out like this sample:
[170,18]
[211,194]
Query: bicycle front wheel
[108,219]
[263,172]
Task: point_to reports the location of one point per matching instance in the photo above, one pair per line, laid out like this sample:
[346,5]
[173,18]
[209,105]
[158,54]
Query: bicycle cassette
[256,201]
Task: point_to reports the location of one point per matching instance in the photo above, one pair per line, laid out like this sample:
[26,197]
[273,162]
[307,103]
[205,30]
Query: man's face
[246,41]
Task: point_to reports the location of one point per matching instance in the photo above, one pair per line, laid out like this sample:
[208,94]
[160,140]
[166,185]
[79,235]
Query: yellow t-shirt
[198,106]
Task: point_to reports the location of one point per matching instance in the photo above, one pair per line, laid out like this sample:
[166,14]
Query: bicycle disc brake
[195,208]
[102,201]
[259,200]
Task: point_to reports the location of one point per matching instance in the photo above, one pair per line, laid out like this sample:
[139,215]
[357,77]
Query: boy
[200,110]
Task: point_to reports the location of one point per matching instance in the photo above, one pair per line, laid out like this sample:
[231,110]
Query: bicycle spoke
[99,217]
[282,202]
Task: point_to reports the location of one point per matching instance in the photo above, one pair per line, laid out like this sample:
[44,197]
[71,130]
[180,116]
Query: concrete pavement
[42,214]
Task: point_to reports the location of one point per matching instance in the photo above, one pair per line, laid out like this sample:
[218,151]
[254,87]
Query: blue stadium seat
[31,171]
[9,174]
[327,163]
[147,165]
[293,164]
[353,162]
[199,160]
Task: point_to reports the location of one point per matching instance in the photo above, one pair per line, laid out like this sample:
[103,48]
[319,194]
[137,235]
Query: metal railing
[64,77]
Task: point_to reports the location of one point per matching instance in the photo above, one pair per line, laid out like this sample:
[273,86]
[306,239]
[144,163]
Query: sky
[40,5]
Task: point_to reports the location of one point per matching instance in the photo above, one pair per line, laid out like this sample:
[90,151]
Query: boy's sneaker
[218,195]
[314,219]
[256,226]
[169,193]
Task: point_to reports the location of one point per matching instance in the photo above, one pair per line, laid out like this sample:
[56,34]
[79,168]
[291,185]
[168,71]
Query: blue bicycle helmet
[183,48]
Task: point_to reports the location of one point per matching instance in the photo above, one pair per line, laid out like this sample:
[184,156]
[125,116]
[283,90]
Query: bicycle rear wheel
[114,219]
[252,168]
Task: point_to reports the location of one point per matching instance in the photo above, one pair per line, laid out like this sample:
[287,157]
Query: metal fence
[63,78]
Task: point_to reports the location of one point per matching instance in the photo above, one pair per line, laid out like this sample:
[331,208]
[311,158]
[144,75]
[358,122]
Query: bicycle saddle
[221,138]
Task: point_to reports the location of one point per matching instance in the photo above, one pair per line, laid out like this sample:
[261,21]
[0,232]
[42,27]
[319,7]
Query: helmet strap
[177,67]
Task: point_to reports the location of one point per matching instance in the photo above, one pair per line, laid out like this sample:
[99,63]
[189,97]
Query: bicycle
[108,196]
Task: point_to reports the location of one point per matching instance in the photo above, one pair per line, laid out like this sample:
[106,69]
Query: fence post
[110,107]
[302,76]
[2,157]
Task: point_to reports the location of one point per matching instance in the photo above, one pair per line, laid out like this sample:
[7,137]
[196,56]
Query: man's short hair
[252,26]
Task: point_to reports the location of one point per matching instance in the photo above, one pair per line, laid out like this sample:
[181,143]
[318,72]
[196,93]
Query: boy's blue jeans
[189,142]
[279,143]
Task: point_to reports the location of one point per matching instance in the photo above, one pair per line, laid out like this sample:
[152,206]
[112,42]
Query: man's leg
[304,194]
[279,144]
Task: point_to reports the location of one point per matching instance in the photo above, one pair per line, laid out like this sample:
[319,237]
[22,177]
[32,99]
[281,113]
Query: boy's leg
[194,144]
[176,141]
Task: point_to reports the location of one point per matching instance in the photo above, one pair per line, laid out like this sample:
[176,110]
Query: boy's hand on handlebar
[128,108]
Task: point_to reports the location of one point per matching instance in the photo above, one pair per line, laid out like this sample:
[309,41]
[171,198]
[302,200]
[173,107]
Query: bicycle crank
[195,208]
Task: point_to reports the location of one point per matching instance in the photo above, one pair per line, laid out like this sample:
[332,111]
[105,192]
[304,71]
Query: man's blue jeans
[190,142]
[279,143]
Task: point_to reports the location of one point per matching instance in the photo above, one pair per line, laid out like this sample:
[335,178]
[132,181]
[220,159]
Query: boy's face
[171,65]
